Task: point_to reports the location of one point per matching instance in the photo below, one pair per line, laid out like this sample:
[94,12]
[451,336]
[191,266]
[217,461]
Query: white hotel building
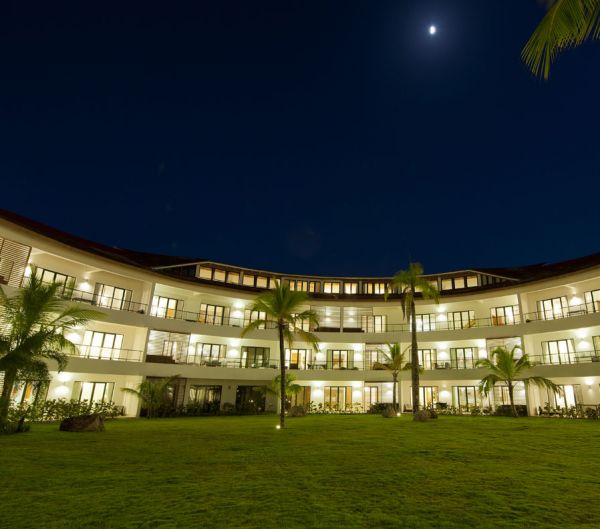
[168,316]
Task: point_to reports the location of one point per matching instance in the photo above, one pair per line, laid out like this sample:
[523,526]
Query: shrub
[505,410]
[59,409]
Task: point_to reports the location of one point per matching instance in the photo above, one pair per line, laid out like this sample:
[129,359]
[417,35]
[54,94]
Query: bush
[59,409]
[378,407]
[505,410]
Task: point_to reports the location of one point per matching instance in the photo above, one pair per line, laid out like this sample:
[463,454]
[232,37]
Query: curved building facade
[166,316]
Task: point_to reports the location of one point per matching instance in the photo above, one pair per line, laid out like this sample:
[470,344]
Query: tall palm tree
[409,283]
[568,23]
[33,324]
[506,368]
[282,307]
[154,394]
[395,361]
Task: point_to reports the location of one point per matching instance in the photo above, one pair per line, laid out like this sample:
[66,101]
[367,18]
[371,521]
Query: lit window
[205,273]
[331,288]
[248,280]
[219,275]
[350,288]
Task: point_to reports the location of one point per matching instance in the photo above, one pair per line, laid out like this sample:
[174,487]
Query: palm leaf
[567,24]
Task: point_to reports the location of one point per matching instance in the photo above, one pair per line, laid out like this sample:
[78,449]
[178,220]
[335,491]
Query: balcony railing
[360,365]
[441,324]
[106,353]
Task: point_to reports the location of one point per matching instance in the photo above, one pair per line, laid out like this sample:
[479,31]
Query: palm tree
[506,368]
[291,388]
[33,324]
[154,394]
[395,362]
[409,283]
[282,306]
[567,24]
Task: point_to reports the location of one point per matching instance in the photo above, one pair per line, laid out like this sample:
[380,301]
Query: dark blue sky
[332,137]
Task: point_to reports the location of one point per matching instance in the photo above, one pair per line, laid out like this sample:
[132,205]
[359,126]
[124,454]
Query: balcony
[105,353]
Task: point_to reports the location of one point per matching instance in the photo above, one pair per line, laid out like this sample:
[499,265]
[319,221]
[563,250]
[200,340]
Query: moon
[432,30]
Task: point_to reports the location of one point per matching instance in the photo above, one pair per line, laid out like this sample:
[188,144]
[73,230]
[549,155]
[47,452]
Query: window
[371,396]
[248,280]
[298,285]
[350,288]
[165,307]
[551,309]
[254,315]
[101,345]
[206,397]
[502,398]
[262,282]
[447,284]
[219,275]
[331,288]
[374,288]
[28,391]
[464,319]
[296,358]
[428,396]
[505,315]
[569,396]
[213,314]
[466,397]
[302,398]
[374,355]
[301,324]
[592,301]
[427,358]
[472,281]
[50,276]
[208,354]
[112,297]
[462,357]
[205,272]
[338,359]
[162,344]
[233,277]
[93,391]
[426,322]
[558,352]
[338,397]
[314,286]
[596,342]
[374,323]
[250,399]
[255,356]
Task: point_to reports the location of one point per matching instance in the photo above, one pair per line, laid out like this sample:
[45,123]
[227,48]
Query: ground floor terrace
[331,392]
[321,471]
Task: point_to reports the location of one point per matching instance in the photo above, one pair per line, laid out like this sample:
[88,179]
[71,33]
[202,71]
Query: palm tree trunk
[395,402]
[414,358]
[10,376]
[512,400]
[282,368]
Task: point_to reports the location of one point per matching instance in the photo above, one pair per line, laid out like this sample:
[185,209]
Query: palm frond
[566,24]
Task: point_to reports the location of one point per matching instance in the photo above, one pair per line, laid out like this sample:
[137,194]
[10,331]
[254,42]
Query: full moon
[432,30]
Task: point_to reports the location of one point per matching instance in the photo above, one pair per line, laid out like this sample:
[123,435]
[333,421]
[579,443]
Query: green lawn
[323,471]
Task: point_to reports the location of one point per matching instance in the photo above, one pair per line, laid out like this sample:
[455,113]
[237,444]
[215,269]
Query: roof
[123,255]
[167,264]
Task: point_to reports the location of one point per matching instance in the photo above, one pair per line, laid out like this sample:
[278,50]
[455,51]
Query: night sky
[321,137]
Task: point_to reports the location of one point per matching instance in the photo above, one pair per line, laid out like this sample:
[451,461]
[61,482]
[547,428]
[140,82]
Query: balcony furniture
[213,363]
[595,358]
[352,329]
[160,359]
[577,312]
[442,365]
[327,329]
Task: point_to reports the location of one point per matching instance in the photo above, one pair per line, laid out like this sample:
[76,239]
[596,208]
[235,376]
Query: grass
[322,472]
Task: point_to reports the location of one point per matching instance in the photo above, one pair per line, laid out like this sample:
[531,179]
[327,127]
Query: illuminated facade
[168,316]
